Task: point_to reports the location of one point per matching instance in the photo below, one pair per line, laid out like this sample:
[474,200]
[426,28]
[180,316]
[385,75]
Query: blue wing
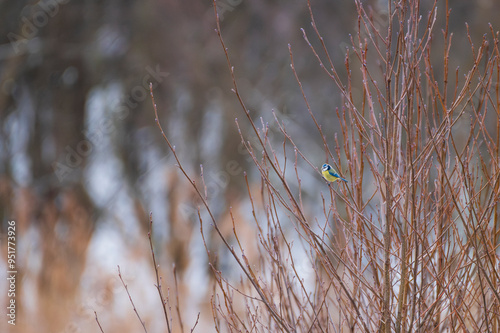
[336,175]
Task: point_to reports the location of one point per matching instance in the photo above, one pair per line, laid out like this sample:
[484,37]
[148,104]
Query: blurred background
[82,163]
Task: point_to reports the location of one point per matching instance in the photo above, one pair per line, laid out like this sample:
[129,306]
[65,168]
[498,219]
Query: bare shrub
[411,242]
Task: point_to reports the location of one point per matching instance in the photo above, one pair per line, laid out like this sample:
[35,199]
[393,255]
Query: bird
[330,174]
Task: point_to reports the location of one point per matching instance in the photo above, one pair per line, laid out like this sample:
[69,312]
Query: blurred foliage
[56,55]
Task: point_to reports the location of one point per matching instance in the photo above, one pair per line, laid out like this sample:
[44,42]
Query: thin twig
[131,301]
[196,323]
[98,323]
[157,274]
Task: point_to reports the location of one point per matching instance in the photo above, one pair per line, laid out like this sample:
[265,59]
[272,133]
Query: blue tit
[330,174]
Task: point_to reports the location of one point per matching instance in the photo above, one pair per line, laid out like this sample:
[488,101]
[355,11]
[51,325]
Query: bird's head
[325,167]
